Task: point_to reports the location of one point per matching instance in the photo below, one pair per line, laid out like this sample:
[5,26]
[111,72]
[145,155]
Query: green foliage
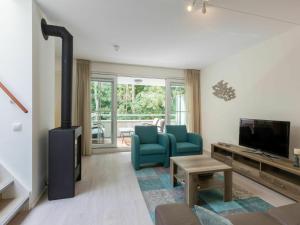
[101,96]
[131,100]
[151,100]
[124,96]
[140,99]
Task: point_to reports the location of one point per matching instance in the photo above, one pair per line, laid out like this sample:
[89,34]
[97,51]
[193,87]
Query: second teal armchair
[149,146]
[183,143]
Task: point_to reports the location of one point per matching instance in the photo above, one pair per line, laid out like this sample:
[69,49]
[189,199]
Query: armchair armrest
[172,139]
[135,146]
[135,150]
[195,139]
[163,140]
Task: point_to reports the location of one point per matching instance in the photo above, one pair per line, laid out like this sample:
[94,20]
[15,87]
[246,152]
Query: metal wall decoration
[223,91]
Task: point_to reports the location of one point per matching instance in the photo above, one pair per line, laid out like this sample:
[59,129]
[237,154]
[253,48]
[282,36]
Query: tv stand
[277,173]
[258,152]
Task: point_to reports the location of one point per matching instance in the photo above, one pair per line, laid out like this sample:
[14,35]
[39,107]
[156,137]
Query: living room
[150,112]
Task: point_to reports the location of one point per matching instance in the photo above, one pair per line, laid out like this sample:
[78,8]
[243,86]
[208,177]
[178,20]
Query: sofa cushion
[207,217]
[150,149]
[187,147]
[287,215]
[147,134]
[179,131]
[252,219]
[175,214]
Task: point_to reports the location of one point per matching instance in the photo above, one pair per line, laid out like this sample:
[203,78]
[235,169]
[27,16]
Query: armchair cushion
[195,139]
[147,134]
[187,147]
[150,149]
[179,131]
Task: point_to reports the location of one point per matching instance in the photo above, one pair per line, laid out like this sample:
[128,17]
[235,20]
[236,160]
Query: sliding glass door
[118,104]
[176,105]
[141,101]
[103,112]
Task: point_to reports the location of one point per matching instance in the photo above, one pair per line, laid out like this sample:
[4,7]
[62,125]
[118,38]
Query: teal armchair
[183,143]
[149,146]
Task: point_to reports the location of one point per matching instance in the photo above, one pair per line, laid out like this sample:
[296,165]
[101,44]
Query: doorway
[103,112]
[119,103]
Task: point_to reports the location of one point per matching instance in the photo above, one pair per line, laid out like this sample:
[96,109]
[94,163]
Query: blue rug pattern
[157,190]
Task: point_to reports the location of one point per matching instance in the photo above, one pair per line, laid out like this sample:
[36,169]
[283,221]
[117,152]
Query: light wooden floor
[109,195]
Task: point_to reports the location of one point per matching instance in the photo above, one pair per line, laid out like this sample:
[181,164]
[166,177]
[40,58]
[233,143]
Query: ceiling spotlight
[116,47]
[189,8]
[191,5]
[197,4]
[138,81]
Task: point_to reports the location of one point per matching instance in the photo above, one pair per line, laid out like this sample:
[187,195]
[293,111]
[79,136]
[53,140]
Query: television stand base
[258,152]
[276,173]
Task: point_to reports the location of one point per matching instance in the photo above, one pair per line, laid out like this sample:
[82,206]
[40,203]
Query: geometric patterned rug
[157,190]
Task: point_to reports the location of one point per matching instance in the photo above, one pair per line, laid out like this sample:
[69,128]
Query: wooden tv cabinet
[278,174]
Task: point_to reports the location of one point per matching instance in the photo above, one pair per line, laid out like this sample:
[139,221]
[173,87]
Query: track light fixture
[204,6]
[196,4]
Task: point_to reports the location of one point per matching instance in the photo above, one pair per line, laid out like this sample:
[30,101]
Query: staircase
[13,197]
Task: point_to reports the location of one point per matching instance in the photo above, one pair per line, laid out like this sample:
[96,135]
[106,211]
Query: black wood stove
[64,158]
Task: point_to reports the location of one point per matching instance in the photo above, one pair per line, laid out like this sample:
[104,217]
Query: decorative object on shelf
[223,91]
[297,157]
[196,4]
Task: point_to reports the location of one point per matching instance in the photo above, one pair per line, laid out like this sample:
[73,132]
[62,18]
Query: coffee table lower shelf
[197,174]
[202,183]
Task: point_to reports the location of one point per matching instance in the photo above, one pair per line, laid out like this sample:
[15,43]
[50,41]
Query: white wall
[27,68]
[267,82]
[16,73]
[43,78]
[138,71]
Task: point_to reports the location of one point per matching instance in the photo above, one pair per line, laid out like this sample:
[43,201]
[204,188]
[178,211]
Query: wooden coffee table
[197,174]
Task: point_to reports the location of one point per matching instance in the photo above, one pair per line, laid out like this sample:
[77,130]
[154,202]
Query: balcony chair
[149,146]
[98,131]
[161,125]
[183,143]
[154,122]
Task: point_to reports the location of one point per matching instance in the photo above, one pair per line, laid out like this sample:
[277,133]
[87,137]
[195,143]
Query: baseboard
[110,150]
[206,152]
[34,202]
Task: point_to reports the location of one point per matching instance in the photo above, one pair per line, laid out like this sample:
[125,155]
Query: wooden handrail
[13,98]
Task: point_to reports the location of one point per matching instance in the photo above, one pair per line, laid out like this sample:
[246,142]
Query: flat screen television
[267,136]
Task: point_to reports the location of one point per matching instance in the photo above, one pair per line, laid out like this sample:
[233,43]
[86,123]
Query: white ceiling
[162,33]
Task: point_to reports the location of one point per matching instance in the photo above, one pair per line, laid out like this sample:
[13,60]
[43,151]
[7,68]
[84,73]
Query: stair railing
[13,98]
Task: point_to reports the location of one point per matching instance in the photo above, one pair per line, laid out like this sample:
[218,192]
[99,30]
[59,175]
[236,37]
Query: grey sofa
[181,214]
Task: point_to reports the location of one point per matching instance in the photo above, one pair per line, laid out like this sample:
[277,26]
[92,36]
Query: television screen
[266,136]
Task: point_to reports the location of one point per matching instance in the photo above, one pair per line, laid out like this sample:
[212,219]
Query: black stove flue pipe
[67,67]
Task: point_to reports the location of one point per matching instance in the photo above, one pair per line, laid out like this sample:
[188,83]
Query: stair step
[4,183]
[10,207]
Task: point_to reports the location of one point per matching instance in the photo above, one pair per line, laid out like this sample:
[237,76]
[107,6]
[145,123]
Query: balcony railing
[102,125]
